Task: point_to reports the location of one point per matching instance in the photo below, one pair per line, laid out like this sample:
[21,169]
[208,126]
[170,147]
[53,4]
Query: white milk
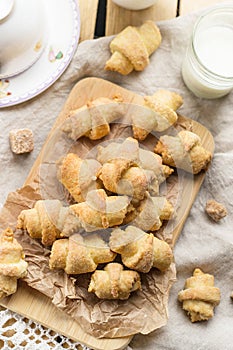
[208,67]
[214,47]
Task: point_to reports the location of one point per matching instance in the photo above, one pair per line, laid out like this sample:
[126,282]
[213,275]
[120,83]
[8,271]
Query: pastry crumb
[215,210]
[21,141]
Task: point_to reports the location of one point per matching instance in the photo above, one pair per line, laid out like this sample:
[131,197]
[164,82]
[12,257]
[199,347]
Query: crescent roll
[184,151]
[78,254]
[12,263]
[50,220]
[132,47]
[199,296]
[113,282]
[93,119]
[140,251]
[79,175]
[158,114]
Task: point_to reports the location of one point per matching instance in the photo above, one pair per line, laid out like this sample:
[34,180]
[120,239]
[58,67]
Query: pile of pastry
[118,207]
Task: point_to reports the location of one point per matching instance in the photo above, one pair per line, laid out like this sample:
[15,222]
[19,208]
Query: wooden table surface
[118,18]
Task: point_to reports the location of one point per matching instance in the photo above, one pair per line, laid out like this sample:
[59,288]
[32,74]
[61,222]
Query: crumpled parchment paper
[143,312]
[202,243]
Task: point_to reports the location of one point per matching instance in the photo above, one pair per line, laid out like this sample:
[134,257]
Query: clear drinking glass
[207,69]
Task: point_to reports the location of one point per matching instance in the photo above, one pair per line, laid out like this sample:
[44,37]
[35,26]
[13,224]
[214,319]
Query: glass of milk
[207,69]
[134,4]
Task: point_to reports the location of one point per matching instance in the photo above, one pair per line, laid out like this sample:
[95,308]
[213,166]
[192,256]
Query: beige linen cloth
[202,243]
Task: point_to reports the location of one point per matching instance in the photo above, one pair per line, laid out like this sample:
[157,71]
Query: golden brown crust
[100,211]
[184,151]
[131,170]
[199,296]
[151,212]
[78,176]
[78,254]
[167,171]
[127,150]
[153,162]
[12,263]
[122,176]
[150,35]
[114,283]
[140,251]
[158,115]
[93,119]
[132,47]
[112,172]
[129,43]
[49,220]
[162,254]
[119,63]
[165,116]
[141,133]
[206,293]
[41,221]
[135,248]
[135,182]
[99,124]
[47,217]
[68,175]
[168,98]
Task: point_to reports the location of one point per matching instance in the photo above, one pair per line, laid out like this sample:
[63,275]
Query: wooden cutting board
[34,305]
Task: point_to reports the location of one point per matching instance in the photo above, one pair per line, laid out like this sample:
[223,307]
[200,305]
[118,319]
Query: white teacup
[22,35]
[135,4]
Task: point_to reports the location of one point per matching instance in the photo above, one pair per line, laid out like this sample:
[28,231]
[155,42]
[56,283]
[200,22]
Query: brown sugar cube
[21,141]
[215,210]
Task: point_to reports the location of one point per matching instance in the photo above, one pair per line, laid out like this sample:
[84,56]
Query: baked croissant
[42,220]
[129,149]
[184,151]
[79,176]
[49,220]
[150,213]
[100,211]
[79,254]
[122,176]
[132,47]
[93,119]
[140,251]
[114,283]
[199,296]
[153,162]
[158,114]
[12,263]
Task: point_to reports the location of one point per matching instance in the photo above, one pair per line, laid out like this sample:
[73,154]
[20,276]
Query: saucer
[62,39]
[23,35]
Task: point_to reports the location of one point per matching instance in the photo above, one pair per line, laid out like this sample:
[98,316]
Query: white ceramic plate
[63,35]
